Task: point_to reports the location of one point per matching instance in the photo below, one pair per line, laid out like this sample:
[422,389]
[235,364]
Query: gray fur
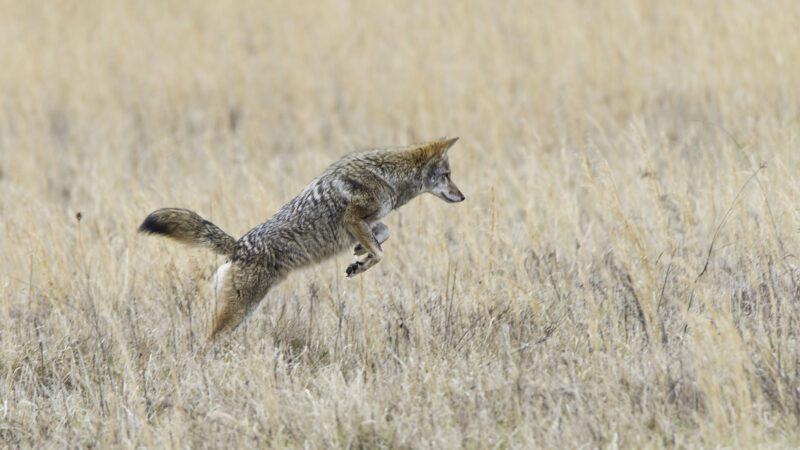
[338,209]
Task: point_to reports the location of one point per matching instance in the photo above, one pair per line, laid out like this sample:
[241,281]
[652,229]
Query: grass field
[625,271]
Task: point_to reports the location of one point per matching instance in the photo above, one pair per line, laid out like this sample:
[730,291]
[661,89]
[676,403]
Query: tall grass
[624,272]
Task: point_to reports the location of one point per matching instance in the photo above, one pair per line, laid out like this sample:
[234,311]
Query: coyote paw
[355,268]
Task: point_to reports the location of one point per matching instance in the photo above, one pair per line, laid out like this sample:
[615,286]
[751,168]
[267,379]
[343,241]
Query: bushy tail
[188,227]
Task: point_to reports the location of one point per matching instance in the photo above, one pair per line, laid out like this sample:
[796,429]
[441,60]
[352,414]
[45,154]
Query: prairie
[625,271]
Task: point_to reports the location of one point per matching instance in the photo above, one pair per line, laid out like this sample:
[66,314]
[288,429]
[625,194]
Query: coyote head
[436,171]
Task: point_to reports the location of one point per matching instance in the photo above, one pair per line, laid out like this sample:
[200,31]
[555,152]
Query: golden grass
[624,271]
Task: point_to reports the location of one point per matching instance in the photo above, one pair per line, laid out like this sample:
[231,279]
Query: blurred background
[623,272]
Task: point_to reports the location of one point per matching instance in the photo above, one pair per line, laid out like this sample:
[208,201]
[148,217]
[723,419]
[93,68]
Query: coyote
[339,208]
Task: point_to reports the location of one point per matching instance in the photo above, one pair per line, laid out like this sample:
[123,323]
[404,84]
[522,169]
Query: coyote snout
[447,190]
[338,209]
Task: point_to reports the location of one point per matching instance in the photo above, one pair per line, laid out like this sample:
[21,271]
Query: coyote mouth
[450,199]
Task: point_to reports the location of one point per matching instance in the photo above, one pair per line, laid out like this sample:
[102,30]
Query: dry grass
[624,272]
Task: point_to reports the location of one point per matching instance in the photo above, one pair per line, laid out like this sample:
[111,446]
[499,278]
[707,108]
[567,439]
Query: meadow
[625,271]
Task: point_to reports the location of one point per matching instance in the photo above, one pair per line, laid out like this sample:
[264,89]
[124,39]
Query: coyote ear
[446,143]
[434,149]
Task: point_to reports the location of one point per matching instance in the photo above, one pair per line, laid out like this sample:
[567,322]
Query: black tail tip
[152,225]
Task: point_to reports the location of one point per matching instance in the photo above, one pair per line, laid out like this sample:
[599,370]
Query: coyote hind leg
[239,293]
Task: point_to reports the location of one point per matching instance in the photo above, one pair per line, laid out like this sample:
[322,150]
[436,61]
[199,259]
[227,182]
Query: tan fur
[338,209]
[188,227]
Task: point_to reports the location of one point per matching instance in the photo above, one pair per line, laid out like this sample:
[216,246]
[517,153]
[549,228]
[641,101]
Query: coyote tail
[188,227]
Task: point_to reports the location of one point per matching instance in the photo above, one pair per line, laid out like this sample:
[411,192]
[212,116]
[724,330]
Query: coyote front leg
[381,232]
[360,229]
